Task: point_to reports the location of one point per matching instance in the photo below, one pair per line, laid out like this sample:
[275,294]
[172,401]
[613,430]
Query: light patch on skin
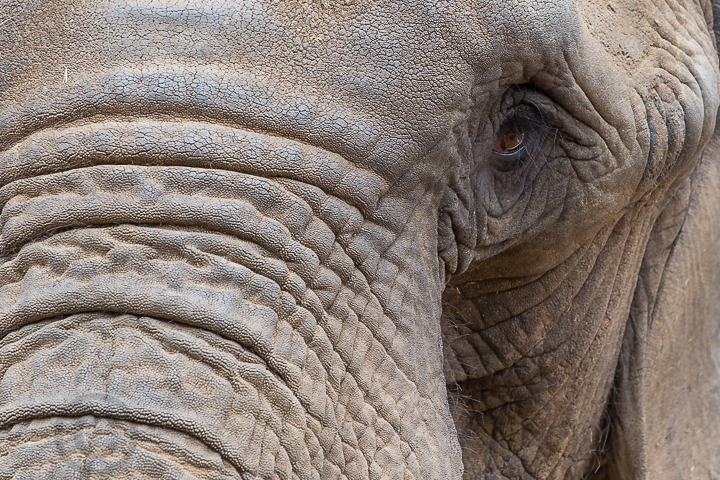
[243,15]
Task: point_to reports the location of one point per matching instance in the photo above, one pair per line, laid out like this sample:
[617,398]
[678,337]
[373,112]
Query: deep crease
[34,123]
[299,302]
[243,344]
[195,433]
[351,289]
[71,428]
[192,161]
[320,323]
[104,410]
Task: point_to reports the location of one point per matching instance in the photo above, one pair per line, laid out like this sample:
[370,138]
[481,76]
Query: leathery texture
[150,291]
[66,447]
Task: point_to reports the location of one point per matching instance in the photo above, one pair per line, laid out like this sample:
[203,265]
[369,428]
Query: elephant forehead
[378,51]
[405,60]
[347,72]
[391,45]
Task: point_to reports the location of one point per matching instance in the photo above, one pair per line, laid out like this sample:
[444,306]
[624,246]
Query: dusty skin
[359,239]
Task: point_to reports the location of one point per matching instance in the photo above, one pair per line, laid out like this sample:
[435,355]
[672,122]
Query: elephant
[359,239]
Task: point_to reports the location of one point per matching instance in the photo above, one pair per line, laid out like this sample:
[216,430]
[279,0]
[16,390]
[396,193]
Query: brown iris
[509,142]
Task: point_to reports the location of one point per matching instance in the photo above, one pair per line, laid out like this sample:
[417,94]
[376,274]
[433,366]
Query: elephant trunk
[180,297]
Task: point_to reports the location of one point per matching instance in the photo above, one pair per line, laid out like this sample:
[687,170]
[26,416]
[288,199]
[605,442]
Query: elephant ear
[664,411]
[665,407]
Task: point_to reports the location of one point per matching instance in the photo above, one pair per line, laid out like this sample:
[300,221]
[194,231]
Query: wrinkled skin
[275,239]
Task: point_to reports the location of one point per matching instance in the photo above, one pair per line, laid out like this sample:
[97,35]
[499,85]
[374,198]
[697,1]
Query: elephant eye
[510,142]
[519,138]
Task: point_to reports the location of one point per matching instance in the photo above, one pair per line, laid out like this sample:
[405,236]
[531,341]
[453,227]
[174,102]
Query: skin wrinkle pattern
[362,240]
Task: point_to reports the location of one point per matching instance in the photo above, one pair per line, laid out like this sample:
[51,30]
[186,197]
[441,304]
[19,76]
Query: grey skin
[275,239]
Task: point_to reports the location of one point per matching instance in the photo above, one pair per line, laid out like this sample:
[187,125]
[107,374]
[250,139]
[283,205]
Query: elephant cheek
[213,309]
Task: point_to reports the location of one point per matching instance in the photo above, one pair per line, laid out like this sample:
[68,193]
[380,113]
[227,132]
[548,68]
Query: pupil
[508,142]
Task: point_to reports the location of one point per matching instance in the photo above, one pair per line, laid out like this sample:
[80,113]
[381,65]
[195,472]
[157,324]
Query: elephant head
[310,239]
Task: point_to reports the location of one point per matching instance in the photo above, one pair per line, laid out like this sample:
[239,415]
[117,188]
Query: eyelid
[510,154]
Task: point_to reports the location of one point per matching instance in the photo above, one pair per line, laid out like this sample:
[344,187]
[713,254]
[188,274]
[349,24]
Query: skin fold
[263,239]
